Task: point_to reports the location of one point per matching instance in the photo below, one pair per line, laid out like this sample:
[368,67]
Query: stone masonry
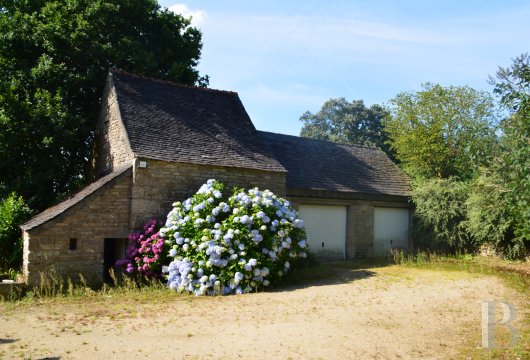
[102,214]
[111,146]
[178,181]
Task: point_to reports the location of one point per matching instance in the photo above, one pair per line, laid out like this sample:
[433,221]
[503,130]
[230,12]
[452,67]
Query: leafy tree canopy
[345,122]
[512,84]
[440,215]
[13,211]
[54,57]
[442,131]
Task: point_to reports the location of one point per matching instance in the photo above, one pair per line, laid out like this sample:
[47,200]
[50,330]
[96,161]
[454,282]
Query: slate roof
[60,208]
[172,122]
[323,165]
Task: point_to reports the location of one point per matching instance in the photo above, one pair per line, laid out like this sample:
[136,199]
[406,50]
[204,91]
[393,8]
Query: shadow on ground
[331,273]
[7,341]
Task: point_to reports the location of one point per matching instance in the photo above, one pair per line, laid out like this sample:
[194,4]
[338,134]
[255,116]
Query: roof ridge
[169,82]
[324,141]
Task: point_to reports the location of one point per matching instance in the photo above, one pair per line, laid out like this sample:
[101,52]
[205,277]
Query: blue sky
[288,57]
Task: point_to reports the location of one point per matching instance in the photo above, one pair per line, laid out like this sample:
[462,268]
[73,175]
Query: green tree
[440,216]
[54,57]
[13,211]
[512,84]
[344,122]
[442,131]
[488,214]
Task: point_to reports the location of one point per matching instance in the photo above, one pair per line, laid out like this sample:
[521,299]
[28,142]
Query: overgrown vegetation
[13,211]
[488,216]
[214,243]
[53,286]
[439,221]
[512,167]
[471,172]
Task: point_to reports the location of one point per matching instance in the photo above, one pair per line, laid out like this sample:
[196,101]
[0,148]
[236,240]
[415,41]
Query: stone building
[157,142]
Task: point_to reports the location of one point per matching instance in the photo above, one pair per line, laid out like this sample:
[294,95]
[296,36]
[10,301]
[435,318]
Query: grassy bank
[515,274]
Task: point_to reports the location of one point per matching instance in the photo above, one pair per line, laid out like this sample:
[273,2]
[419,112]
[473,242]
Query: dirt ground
[379,313]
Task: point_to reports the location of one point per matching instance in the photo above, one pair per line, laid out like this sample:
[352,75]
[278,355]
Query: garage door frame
[332,254]
[382,242]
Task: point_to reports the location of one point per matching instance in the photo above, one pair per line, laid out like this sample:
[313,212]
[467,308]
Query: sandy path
[372,314]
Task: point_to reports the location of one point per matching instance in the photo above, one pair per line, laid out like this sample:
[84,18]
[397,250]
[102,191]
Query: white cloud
[197,16]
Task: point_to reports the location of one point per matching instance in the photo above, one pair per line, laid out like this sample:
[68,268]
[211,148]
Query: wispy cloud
[297,41]
[288,57]
[198,17]
[325,27]
[287,94]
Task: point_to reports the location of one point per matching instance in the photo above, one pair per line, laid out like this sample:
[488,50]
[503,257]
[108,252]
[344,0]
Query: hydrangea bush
[147,251]
[221,245]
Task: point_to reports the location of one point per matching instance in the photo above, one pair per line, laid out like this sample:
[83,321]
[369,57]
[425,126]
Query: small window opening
[73,244]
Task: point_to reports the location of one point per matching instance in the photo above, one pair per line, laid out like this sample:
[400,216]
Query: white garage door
[391,230]
[326,230]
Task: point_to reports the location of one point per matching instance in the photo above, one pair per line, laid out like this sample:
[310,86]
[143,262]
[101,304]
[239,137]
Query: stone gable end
[111,146]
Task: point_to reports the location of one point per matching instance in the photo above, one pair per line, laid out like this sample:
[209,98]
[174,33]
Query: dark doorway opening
[114,250]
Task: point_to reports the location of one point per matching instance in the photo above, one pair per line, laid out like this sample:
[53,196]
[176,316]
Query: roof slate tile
[324,165]
[172,122]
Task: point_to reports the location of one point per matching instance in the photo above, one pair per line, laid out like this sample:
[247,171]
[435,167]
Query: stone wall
[119,206]
[111,147]
[159,185]
[103,214]
[360,218]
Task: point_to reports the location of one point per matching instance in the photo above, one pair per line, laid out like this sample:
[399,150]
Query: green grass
[515,274]
[53,288]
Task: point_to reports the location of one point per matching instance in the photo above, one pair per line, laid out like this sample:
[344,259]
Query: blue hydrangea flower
[245,219]
[216,263]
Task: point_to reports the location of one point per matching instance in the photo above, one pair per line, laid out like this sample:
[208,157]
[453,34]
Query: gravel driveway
[375,313]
